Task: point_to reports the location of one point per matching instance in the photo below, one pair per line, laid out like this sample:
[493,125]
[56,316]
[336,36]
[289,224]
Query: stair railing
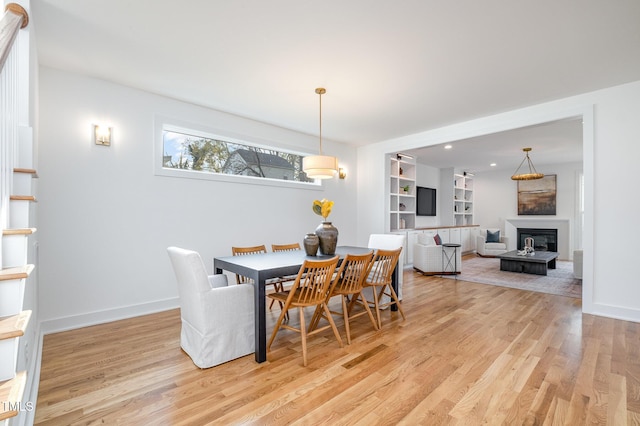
[14,19]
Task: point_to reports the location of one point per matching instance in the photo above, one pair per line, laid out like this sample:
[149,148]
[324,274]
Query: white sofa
[429,259]
[485,249]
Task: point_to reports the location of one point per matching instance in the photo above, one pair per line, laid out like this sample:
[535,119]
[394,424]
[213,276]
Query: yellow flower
[322,208]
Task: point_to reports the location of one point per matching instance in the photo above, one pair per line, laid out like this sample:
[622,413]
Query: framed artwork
[537,197]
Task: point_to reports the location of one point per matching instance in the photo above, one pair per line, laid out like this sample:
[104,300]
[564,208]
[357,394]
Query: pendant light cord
[320,91]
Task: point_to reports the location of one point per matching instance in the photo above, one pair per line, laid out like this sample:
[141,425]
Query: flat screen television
[426,200]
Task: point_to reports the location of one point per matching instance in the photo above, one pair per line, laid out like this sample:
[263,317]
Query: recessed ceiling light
[493,164]
[448,147]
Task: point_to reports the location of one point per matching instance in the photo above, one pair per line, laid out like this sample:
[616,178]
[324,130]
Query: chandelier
[532,174]
[320,166]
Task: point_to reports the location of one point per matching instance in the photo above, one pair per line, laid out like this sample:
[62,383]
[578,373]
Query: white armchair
[217,319]
[490,249]
[428,256]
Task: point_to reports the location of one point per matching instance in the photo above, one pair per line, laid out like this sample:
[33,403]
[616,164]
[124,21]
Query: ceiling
[390,68]
[552,143]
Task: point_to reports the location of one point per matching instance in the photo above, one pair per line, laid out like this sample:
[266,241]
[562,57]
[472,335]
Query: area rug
[559,281]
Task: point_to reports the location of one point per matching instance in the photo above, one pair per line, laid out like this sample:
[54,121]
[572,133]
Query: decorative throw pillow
[426,239]
[437,239]
[493,237]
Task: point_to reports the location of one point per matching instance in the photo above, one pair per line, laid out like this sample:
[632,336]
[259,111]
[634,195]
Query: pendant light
[320,166]
[533,173]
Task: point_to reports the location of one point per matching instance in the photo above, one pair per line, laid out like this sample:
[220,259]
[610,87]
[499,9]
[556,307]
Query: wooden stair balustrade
[19,208]
[32,172]
[15,246]
[11,390]
[16,273]
[12,284]
[23,181]
[23,198]
[13,251]
[11,396]
[13,20]
[18,231]
[14,326]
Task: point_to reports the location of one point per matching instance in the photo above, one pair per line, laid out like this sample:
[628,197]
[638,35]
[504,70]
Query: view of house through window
[204,154]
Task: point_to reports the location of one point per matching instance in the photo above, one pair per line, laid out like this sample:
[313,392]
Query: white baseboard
[615,312]
[101,317]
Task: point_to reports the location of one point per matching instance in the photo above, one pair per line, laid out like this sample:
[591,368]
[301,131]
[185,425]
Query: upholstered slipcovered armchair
[217,319]
[428,256]
[491,244]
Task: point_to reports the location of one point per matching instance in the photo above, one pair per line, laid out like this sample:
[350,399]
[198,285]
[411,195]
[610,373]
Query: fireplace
[563,225]
[543,239]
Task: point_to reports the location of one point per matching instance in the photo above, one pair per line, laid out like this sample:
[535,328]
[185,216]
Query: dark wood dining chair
[348,285]
[310,288]
[379,279]
[241,251]
[285,247]
[281,281]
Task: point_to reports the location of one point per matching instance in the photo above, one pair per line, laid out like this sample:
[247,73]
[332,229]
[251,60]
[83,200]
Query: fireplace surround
[563,225]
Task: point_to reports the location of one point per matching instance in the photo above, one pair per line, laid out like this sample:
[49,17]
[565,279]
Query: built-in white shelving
[402,192]
[462,199]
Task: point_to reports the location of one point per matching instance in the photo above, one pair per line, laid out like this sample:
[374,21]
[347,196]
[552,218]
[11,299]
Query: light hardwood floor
[467,354]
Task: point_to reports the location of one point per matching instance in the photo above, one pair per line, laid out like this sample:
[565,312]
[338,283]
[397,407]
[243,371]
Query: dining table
[262,267]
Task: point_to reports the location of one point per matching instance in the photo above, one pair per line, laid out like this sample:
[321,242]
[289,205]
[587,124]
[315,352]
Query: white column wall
[106,219]
[611,132]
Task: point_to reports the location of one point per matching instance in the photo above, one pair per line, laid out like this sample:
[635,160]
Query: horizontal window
[197,154]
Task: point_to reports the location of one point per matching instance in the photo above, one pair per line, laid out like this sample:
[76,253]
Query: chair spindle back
[353,271]
[241,251]
[384,262]
[285,247]
[313,281]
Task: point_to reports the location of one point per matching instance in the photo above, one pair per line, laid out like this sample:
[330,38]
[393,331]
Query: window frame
[192,129]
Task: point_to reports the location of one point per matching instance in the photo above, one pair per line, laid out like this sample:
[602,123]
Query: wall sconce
[102,135]
[342,173]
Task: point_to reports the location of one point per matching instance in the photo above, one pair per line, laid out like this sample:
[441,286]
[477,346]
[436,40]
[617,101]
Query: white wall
[370,195]
[106,219]
[611,131]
